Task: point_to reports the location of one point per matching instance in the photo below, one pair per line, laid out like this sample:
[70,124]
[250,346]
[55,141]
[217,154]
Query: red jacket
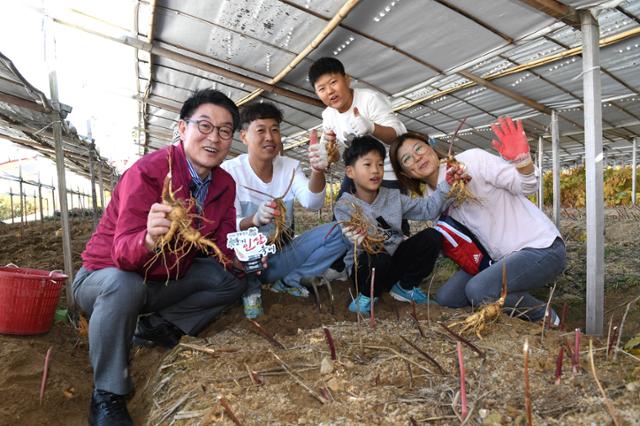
[119,239]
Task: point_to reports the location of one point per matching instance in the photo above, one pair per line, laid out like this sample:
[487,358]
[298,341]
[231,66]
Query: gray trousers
[527,269]
[114,298]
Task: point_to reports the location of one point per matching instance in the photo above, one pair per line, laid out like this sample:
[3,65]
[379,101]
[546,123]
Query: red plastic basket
[28,299]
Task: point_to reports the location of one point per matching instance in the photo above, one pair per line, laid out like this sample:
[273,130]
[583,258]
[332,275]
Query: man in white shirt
[262,175]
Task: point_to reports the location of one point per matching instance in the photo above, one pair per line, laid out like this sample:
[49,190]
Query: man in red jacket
[180,295]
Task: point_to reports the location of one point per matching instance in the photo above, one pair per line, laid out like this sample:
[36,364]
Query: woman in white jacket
[509,226]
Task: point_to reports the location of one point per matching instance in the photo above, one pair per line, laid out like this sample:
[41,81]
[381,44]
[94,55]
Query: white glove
[264,214]
[352,235]
[318,157]
[360,125]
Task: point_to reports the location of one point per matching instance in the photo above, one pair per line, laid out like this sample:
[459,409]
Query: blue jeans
[308,255]
[527,269]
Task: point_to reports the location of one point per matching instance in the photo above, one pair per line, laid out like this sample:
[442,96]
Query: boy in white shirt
[264,170]
[351,113]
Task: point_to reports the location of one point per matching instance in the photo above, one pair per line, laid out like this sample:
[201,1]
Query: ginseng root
[374,238]
[487,314]
[281,232]
[181,237]
[459,192]
[333,153]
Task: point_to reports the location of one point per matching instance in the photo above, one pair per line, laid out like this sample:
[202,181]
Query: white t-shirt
[371,105]
[505,220]
[247,201]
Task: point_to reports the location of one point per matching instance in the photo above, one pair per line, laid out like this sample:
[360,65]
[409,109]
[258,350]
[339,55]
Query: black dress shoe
[163,333]
[108,409]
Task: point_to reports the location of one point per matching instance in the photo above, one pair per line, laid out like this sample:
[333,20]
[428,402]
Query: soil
[370,382]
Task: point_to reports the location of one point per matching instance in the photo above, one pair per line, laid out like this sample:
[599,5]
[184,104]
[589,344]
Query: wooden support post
[541,170]
[35,205]
[555,159]
[634,171]
[13,213]
[94,199]
[101,187]
[594,186]
[40,199]
[22,203]
[53,199]
[56,119]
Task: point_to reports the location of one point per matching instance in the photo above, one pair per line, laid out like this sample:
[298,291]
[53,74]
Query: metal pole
[555,159]
[634,170]
[541,170]
[46,201]
[60,168]
[594,186]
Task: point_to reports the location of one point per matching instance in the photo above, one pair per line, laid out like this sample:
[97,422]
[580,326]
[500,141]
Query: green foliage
[5,207]
[617,187]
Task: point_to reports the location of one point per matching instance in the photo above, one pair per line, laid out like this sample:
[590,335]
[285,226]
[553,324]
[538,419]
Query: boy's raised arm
[427,208]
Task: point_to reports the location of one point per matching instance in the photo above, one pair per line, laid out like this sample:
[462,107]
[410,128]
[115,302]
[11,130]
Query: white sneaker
[333,275]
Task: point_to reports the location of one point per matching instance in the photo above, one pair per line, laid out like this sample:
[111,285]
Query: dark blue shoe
[108,409]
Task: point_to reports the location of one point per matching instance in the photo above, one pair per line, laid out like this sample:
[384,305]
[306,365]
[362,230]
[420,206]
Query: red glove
[512,142]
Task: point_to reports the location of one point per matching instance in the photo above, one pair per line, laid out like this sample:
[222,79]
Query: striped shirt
[198,187]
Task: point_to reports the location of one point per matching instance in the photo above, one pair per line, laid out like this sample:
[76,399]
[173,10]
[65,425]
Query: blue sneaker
[414,295]
[296,291]
[362,304]
[252,306]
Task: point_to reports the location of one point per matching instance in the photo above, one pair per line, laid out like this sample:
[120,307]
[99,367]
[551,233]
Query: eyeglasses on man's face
[206,127]
[409,159]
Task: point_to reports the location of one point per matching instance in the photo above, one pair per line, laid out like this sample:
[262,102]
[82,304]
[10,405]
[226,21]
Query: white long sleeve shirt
[247,201]
[504,220]
[371,105]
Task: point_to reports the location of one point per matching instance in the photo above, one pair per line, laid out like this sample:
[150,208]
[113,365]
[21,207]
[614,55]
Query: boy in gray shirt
[404,262]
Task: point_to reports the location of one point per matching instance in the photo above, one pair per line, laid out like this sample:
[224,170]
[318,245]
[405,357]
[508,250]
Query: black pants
[412,261]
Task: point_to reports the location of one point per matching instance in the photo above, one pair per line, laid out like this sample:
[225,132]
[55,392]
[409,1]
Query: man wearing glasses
[181,295]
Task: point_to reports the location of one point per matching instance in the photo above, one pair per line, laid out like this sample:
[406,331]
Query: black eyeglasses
[206,127]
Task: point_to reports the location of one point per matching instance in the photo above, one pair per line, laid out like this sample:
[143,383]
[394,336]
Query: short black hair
[360,147]
[210,96]
[324,66]
[259,111]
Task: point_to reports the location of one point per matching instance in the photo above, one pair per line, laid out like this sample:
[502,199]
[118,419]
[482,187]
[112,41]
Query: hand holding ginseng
[512,143]
[265,213]
[354,235]
[318,159]
[457,173]
[158,224]
[330,144]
